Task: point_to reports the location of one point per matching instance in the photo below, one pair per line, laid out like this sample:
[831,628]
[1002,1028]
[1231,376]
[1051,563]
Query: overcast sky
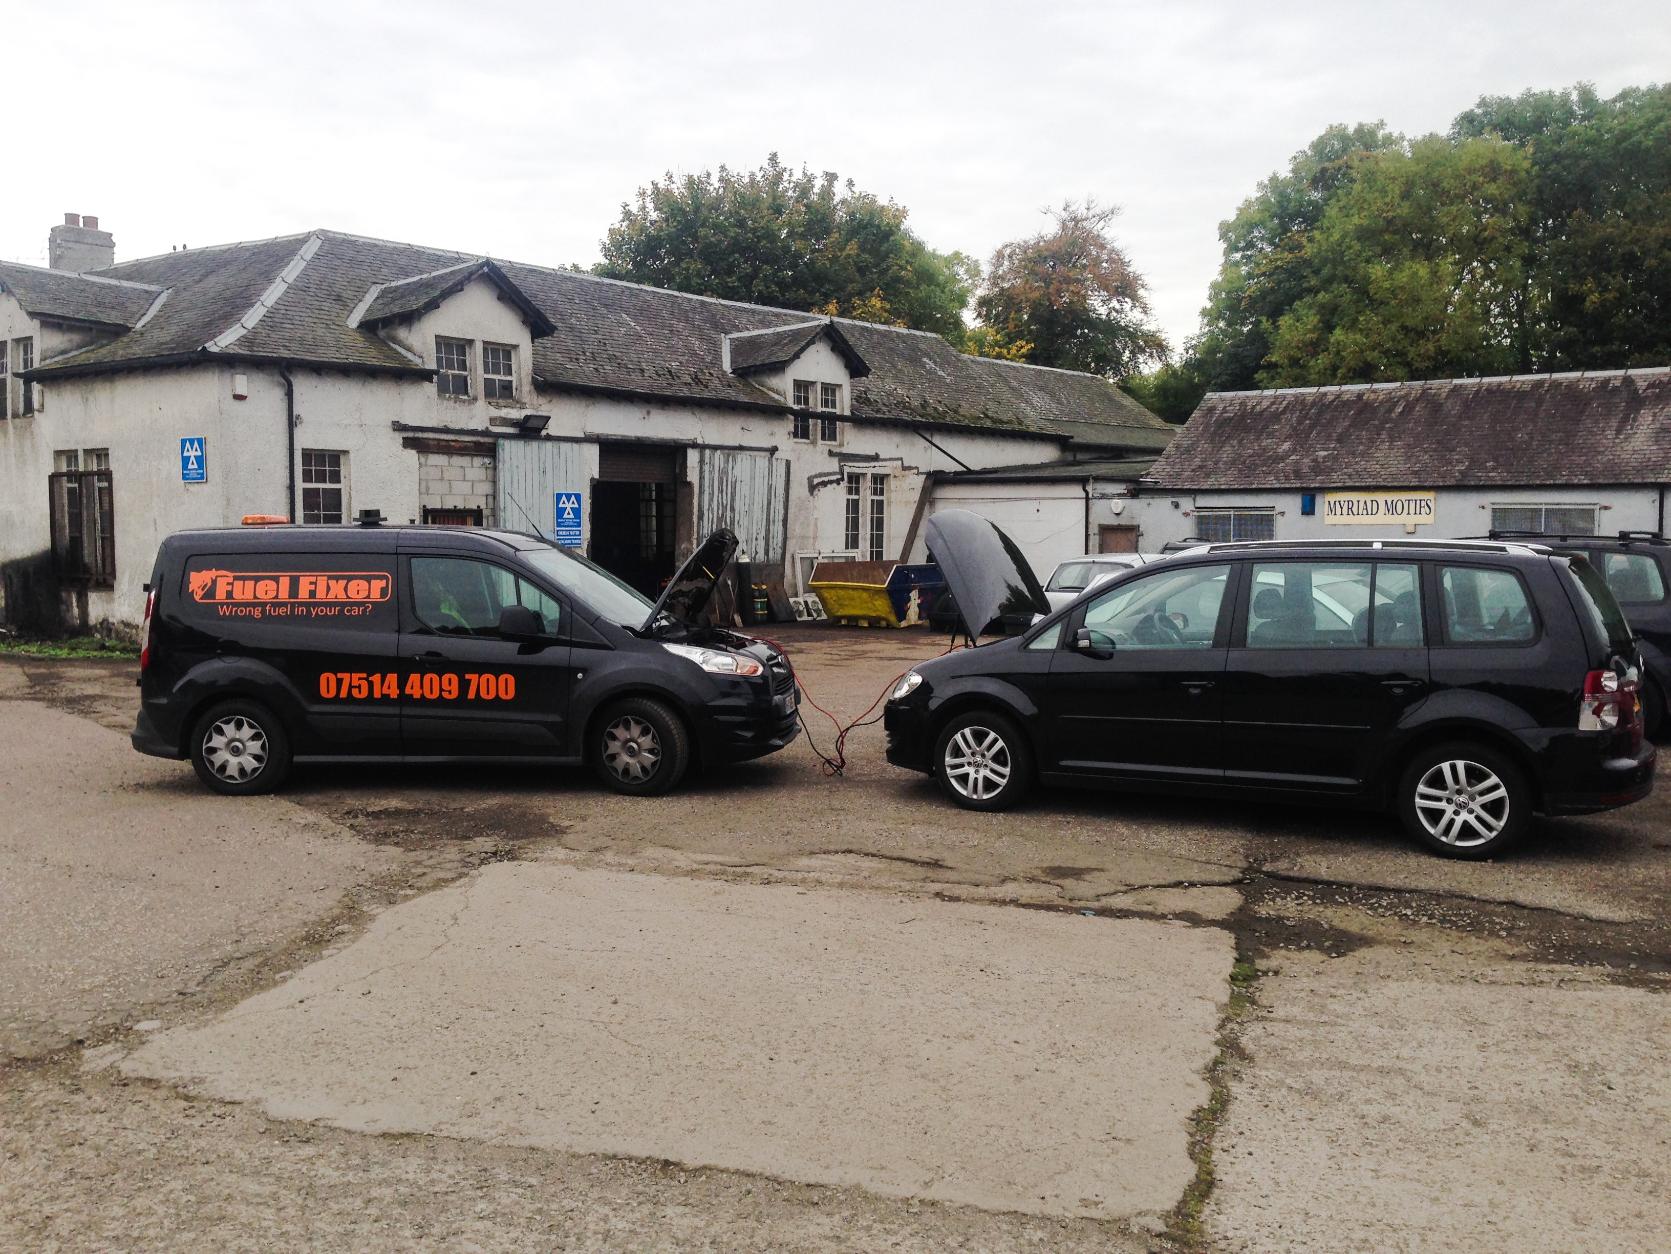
[518,129]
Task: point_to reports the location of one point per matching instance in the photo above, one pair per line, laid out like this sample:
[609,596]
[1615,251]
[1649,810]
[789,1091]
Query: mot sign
[567,512]
[194,462]
[1387,507]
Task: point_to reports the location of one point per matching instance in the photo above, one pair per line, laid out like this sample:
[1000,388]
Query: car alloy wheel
[631,749]
[1462,803]
[235,748]
[977,763]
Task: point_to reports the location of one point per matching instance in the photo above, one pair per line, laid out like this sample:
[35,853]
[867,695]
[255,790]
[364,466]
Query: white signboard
[1391,506]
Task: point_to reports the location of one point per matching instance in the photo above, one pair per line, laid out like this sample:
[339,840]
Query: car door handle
[430,655]
[1399,685]
[1197,686]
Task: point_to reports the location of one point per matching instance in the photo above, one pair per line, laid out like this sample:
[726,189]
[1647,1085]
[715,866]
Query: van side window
[1485,606]
[1396,616]
[458,596]
[1174,609]
[1309,605]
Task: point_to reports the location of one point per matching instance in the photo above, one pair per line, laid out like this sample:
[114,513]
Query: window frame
[94,569]
[1543,507]
[1233,512]
[23,358]
[876,517]
[340,486]
[800,401]
[497,386]
[443,372]
[1437,576]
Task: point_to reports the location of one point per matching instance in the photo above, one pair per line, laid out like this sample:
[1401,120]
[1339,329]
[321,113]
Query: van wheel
[240,748]
[1464,800]
[640,747]
[983,761]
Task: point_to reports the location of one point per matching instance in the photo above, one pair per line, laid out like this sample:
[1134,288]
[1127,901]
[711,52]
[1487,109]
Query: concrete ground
[772,1010]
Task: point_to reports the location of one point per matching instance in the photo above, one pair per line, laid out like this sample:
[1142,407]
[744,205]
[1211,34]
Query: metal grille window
[1552,520]
[324,485]
[452,367]
[498,372]
[83,523]
[878,517]
[1219,526]
[801,424]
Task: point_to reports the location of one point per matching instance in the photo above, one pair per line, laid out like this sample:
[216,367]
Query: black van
[1464,684]
[266,646]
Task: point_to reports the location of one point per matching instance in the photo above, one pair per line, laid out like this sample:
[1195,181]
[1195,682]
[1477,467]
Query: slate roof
[1597,427]
[406,298]
[61,295]
[295,298]
[754,351]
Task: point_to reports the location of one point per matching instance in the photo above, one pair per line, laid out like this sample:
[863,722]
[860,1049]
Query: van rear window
[1603,606]
[325,589]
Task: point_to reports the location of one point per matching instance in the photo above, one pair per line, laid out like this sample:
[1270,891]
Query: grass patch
[68,647]
[1186,1229]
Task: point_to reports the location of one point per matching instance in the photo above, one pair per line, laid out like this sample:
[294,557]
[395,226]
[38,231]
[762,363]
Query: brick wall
[457,481]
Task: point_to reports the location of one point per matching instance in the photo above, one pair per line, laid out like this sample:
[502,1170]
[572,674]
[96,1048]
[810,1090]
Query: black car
[271,645]
[1637,567]
[1464,684]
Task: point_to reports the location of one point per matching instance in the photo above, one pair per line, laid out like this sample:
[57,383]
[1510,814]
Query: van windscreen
[1603,606]
[594,586]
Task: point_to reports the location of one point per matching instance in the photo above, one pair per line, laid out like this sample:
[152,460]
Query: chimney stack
[79,244]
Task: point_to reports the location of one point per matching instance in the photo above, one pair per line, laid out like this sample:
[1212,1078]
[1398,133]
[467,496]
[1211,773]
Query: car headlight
[717,663]
[906,686]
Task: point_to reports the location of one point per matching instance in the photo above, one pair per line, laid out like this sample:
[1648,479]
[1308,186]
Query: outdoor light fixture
[532,424]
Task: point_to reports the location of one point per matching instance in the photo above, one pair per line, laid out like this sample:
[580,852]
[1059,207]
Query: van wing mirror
[1092,643]
[518,622]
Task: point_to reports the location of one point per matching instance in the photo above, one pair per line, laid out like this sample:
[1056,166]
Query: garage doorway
[1121,539]
[634,513]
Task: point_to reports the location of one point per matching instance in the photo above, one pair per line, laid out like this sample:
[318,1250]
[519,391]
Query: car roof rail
[1392,542]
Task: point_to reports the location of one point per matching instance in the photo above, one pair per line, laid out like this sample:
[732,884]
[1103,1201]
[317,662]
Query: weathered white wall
[1458,512]
[1046,520]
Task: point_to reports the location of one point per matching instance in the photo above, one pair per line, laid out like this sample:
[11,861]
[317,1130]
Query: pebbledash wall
[1173,517]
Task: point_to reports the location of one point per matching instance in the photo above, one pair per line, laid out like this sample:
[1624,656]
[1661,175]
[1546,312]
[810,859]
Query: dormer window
[499,372]
[452,367]
[829,401]
[801,425]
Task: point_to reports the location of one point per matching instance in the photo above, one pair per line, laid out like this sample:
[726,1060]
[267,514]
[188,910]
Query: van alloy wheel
[977,763]
[235,749]
[631,749]
[1462,803]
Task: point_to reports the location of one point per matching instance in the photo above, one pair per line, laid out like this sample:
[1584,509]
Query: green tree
[1171,391]
[792,239]
[1071,294]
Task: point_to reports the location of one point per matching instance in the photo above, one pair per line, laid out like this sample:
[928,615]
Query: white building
[318,375]
[1581,454]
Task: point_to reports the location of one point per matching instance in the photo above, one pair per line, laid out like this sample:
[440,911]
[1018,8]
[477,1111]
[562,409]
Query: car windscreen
[591,585]
[1603,607]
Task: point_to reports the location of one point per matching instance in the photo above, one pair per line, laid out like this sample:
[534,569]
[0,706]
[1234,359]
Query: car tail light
[145,649]
[1611,703]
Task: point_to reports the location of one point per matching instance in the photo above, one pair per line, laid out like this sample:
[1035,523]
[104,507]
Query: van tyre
[983,761]
[239,748]
[1465,800]
[640,747]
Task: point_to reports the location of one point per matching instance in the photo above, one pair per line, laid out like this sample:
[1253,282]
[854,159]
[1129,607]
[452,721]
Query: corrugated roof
[1600,427]
[60,294]
[605,335]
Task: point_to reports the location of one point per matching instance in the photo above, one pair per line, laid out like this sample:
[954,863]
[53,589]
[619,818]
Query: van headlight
[906,686]
[717,663]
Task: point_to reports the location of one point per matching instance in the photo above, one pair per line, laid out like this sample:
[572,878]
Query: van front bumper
[738,730]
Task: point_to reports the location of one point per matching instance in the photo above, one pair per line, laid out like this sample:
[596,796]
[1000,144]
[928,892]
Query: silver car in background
[1076,574]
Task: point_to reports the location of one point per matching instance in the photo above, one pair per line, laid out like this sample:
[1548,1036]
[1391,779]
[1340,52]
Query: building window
[498,372]
[1545,520]
[829,401]
[801,423]
[865,522]
[83,518]
[452,367]
[17,397]
[1220,526]
[324,485]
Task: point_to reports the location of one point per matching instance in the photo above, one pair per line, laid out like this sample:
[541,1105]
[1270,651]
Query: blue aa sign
[567,532]
[194,462]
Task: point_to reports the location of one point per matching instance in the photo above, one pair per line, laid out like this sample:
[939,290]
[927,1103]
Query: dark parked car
[1637,567]
[271,645]
[1465,685]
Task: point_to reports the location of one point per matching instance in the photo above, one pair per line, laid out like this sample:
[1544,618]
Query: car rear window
[1603,607]
[1635,578]
[1485,605]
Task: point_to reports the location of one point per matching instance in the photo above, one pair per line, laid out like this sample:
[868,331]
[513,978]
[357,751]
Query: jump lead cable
[835,762]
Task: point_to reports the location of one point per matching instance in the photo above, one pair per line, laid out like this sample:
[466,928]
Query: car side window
[1635,578]
[1481,605]
[1047,639]
[1395,621]
[1309,605]
[1173,609]
[458,596]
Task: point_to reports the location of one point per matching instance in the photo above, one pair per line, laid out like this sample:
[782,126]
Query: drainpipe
[289,439]
[1085,486]
[1661,527]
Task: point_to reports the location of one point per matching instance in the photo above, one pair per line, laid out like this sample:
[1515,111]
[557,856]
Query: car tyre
[239,748]
[640,747]
[983,761]
[1465,800]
